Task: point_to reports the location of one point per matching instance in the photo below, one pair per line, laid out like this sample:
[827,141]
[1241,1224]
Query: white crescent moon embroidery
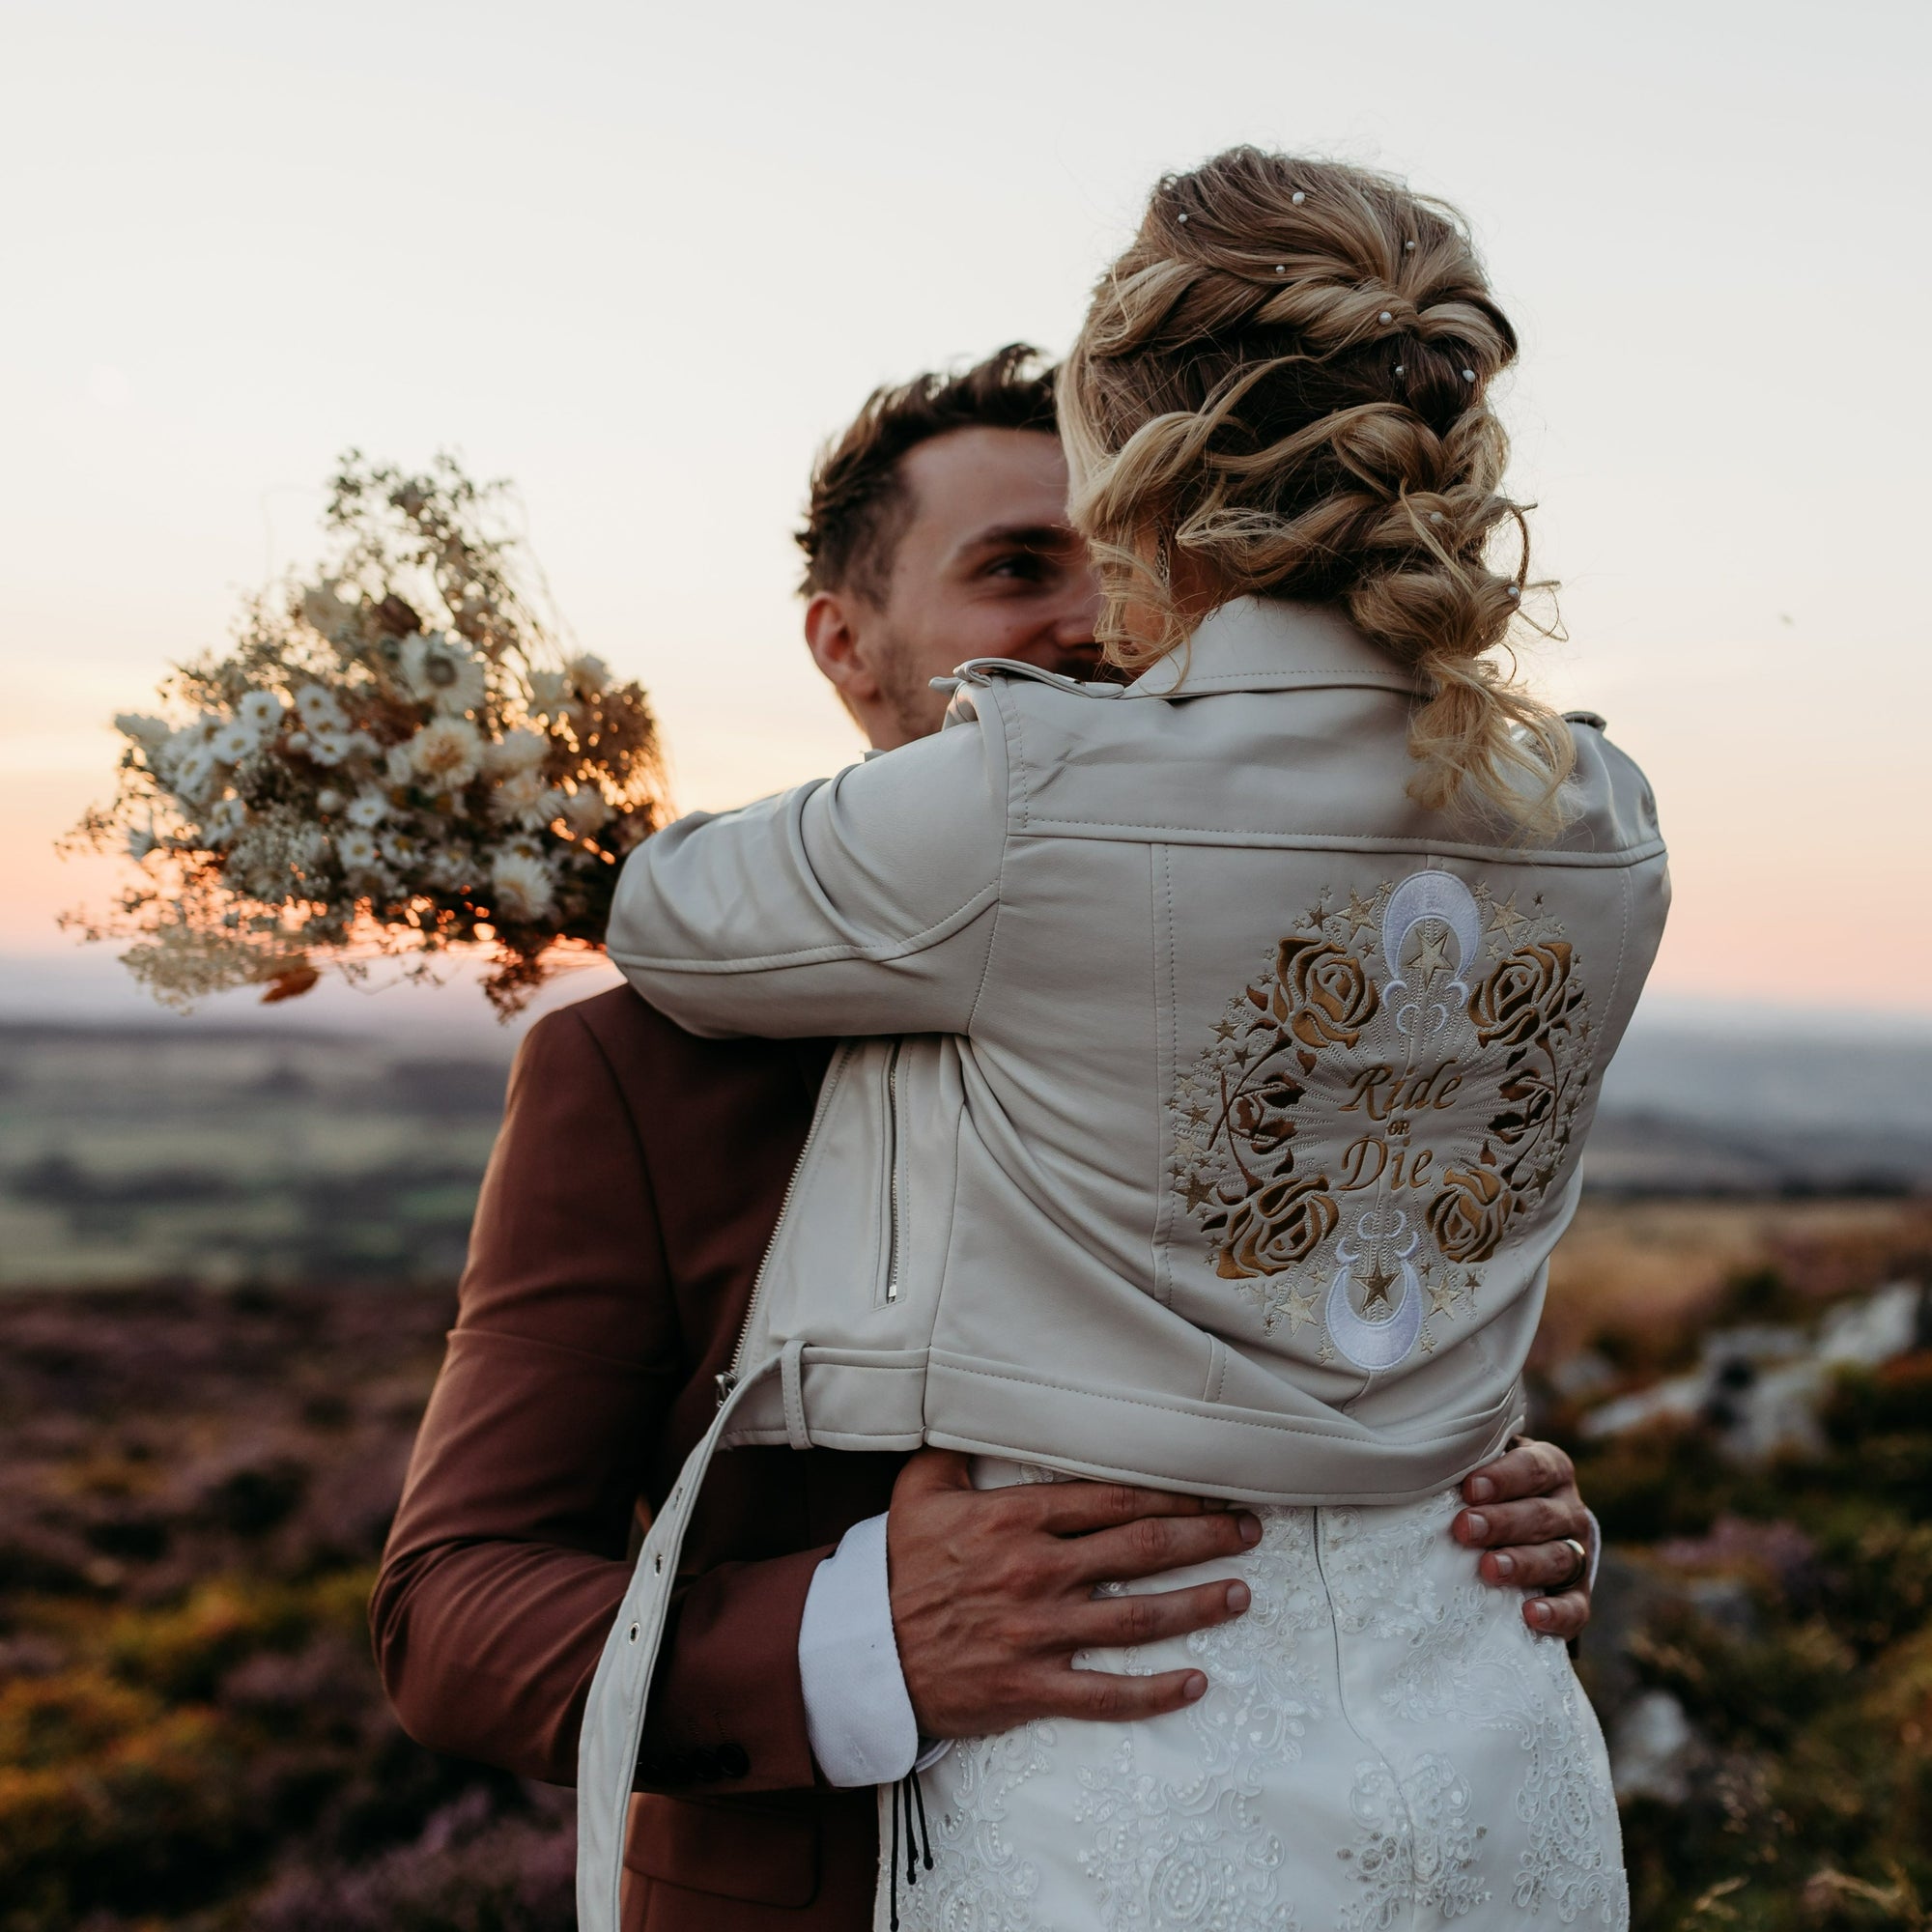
[1424,896]
[1382,1344]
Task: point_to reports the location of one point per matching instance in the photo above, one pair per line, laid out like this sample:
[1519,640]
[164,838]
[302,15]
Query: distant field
[188,1152]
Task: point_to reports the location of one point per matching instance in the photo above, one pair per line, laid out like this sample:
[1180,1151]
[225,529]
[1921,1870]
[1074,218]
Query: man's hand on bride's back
[992,1590]
[1521,1507]
[992,1593]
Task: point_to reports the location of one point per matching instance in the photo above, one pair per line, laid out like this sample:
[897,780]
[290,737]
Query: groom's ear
[832,621]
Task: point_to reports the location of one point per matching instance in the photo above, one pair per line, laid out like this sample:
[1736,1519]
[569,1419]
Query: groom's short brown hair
[859,504]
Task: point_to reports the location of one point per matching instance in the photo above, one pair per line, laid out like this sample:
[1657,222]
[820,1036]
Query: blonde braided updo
[1283,382]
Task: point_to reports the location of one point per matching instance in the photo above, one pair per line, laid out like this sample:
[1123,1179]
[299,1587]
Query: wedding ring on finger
[1583,1568]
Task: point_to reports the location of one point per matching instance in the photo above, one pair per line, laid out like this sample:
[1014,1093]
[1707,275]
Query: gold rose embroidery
[1526,996]
[1282,1222]
[1324,992]
[1470,1214]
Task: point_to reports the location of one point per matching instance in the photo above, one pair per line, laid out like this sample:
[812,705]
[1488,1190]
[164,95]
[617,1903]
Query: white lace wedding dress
[1383,1744]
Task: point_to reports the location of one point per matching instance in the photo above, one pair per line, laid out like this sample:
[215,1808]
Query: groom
[634,1183]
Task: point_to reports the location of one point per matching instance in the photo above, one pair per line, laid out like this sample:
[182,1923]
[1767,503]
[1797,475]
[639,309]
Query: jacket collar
[1257,644]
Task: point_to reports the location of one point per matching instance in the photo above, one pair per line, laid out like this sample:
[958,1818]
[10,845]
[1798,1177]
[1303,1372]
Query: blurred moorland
[195,1487]
[228,1258]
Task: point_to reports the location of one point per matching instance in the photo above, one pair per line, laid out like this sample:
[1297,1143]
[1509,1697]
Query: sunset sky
[642,259]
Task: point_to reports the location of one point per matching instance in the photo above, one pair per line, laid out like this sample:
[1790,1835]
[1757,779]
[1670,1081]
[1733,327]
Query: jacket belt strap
[613,1714]
[793,1381]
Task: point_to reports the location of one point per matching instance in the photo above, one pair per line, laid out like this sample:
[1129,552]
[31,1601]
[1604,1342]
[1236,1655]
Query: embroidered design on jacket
[1395,1091]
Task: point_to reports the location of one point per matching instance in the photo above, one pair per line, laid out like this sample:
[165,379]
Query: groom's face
[984,565]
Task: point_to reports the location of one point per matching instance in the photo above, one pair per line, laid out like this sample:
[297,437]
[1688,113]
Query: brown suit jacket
[635,1183]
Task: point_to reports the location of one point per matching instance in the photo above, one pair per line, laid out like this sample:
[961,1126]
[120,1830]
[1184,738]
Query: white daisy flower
[327,746]
[328,799]
[446,753]
[398,766]
[320,709]
[586,812]
[401,851]
[260,711]
[368,810]
[356,849]
[524,891]
[445,671]
[516,750]
[519,799]
[193,772]
[224,822]
[234,741]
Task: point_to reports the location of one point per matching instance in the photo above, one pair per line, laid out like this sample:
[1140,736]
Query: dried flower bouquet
[396,759]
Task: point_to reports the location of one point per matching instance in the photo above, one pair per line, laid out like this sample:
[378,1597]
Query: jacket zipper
[729,1378]
[892,1174]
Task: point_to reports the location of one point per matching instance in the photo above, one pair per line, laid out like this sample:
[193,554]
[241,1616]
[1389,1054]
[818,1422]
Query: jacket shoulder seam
[879,952]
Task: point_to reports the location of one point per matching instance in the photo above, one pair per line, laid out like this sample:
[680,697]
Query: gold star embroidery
[1507,921]
[1197,1192]
[1431,955]
[1357,914]
[1299,1307]
[1442,1298]
[1224,1030]
[1317,913]
[1376,1283]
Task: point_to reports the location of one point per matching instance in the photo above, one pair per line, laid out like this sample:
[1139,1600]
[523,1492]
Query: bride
[1222,1047]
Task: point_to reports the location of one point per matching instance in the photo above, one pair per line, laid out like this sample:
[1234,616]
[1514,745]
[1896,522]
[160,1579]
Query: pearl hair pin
[1513,589]
[1400,370]
[1182,218]
[1297,197]
[1409,247]
[1281,267]
[1436,516]
[1386,317]
[1468,375]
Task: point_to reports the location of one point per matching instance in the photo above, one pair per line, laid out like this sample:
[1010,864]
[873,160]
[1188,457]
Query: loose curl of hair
[1284,378]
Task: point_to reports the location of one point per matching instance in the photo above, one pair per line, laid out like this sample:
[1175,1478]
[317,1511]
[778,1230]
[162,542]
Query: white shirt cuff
[857,1712]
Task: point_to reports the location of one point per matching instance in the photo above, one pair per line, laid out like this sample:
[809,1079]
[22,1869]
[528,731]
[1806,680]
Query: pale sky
[642,259]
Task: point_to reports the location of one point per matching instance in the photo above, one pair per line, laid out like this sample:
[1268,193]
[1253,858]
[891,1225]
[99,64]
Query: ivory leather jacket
[1209,1109]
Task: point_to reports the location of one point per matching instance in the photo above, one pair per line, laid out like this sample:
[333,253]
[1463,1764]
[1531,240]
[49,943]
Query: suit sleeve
[506,1561]
[863,903]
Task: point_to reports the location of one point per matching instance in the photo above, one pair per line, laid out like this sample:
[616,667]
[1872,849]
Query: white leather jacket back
[1217,1106]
